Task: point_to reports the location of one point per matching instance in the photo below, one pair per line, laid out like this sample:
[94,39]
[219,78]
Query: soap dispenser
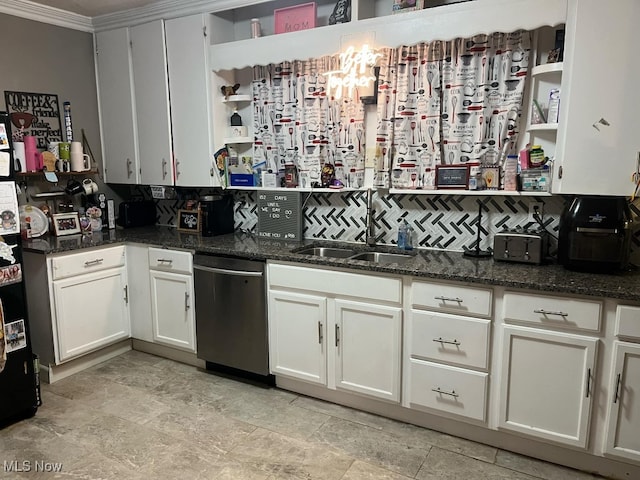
[402,235]
[408,239]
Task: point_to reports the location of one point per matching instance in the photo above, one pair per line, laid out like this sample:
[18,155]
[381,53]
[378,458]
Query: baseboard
[504,440]
[167,352]
[54,373]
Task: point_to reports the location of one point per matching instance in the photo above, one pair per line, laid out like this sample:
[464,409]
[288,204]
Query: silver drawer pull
[452,393]
[186,302]
[320,336]
[90,263]
[450,342]
[165,260]
[449,299]
[542,311]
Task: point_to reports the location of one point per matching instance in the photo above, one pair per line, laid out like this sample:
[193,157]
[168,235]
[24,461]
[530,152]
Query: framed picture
[452,176]
[491,177]
[189,221]
[66,223]
[38,114]
[293,19]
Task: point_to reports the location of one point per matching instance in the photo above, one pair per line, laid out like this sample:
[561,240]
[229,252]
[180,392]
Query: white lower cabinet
[367,341]
[547,384]
[345,326]
[623,425]
[91,311]
[172,309]
[297,336]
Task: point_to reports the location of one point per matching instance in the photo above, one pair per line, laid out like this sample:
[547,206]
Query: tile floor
[138,416]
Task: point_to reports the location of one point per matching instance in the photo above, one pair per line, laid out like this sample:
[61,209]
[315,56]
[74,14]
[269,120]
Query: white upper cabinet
[189,79]
[598,141]
[117,114]
[151,86]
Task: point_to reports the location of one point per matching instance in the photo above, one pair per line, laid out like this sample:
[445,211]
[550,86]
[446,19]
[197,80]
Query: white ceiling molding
[46,14]
[166,9]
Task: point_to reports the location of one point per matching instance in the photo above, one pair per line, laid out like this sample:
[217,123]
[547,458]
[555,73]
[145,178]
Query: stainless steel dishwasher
[231,320]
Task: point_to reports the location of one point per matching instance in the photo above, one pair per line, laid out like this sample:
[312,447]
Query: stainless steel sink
[382,257]
[326,252]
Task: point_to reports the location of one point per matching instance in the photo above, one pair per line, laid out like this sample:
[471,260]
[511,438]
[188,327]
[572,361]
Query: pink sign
[293,19]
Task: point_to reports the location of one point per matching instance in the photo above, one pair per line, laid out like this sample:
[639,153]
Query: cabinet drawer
[628,322]
[450,338]
[379,288]
[549,311]
[452,298]
[448,389]
[170,260]
[87,261]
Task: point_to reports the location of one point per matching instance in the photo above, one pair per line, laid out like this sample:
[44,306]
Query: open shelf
[237,140]
[537,127]
[62,174]
[401,191]
[546,68]
[237,98]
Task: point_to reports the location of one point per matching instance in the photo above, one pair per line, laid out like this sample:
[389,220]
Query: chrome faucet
[370,230]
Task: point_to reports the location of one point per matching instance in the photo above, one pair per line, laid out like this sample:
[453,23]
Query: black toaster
[521,246]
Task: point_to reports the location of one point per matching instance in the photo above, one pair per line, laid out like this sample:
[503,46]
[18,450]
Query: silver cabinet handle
[452,393]
[177,169]
[164,169]
[126,294]
[617,393]
[542,311]
[129,171]
[588,382]
[449,299]
[91,263]
[320,336]
[165,260]
[186,301]
[450,342]
[337,329]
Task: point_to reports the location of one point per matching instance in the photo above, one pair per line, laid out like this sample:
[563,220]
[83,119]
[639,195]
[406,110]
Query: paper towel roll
[19,157]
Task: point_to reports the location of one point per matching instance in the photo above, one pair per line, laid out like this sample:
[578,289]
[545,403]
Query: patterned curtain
[297,124]
[450,103]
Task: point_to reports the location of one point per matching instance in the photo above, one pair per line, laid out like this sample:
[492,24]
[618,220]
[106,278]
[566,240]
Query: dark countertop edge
[581,284]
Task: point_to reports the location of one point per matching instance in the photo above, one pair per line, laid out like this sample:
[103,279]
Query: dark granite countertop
[424,263]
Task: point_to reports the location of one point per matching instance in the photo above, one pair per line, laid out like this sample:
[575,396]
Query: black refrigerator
[19,386]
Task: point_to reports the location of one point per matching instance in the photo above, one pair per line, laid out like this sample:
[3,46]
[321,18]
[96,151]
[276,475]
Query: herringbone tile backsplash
[440,221]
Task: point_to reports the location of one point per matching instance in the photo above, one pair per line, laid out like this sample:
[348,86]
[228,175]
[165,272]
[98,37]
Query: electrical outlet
[535,207]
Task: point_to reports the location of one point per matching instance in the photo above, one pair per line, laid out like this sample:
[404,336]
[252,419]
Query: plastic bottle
[402,235]
[408,241]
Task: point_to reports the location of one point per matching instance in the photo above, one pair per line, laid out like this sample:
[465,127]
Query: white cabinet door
[172,309]
[139,292]
[297,336]
[623,437]
[546,385]
[149,59]
[189,79]
[599,82]
[116,100]
[91,311]
[367,348]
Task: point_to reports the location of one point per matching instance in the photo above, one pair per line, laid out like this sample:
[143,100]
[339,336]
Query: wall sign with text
[38,114]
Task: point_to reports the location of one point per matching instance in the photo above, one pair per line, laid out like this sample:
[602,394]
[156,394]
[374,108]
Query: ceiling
[93,8]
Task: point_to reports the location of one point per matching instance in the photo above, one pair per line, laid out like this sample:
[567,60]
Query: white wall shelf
[538,127]
[237,140]
[237,98]
[546,69]
[477,193]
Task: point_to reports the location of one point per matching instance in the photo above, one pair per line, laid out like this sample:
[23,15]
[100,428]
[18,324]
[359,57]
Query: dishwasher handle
[225,271]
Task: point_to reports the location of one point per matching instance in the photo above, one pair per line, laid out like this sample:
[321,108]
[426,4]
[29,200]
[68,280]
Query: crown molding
[166,9]
[45,14]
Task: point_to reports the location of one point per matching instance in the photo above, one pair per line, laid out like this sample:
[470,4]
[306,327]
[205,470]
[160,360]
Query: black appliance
[595,234]
[137,213]
[217,215]
[19,387]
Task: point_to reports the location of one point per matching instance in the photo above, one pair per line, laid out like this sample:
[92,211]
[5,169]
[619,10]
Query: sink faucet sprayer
[370,231]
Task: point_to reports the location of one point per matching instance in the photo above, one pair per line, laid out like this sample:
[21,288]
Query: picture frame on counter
[65,223]
[452,176]
[189,221]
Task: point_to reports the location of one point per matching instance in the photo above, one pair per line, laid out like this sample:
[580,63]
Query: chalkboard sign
[279,215]
[452,176]
[189,221]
